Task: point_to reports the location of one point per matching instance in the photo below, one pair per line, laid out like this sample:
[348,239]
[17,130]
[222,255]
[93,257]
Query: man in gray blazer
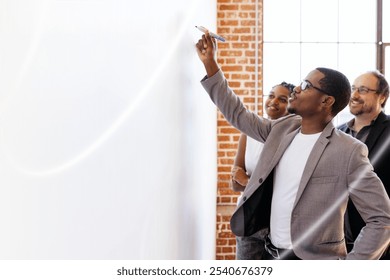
[306,172]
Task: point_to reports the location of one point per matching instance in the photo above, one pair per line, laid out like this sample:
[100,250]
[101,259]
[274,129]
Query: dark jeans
[251,247]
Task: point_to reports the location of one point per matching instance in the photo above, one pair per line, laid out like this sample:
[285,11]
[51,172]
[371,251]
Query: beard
[356,112]
[360,111]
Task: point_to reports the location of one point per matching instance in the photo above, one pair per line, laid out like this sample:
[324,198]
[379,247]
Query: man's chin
[356,112]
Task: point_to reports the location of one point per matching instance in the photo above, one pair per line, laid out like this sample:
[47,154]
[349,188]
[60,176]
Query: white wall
[107,140]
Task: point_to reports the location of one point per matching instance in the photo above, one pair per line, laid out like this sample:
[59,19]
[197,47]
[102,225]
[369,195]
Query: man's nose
[355,94]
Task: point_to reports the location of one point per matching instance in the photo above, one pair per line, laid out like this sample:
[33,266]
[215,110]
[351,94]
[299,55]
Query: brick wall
[236,21]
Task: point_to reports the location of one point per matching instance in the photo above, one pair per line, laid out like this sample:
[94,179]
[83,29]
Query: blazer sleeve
[369,196]
[234,110]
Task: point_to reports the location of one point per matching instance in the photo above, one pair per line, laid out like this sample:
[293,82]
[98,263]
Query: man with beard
[371,126]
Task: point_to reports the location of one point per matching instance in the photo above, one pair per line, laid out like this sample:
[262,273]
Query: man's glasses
[362,89]
[306,85]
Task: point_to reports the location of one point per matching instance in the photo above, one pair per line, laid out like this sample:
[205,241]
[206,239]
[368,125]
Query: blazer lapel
[376,130]
[313,159]
[251,188]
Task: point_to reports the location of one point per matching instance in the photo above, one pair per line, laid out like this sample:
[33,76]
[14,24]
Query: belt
[277,253]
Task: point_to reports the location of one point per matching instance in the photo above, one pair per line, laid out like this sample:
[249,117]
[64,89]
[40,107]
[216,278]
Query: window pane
[281,20]
[318,55]
[319,20]
[338,34]
[355,59]
[386,21]
[357,21]
[343,117]
[280,63]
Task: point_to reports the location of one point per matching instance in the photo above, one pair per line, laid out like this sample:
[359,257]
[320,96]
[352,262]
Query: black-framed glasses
[306,85]
[362,89]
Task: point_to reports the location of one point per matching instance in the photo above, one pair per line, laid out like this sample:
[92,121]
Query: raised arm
[223,96]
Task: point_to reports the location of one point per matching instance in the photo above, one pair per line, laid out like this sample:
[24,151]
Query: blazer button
[244,198]
[261,180]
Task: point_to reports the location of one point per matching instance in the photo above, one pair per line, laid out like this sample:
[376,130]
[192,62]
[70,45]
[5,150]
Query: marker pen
[204,30]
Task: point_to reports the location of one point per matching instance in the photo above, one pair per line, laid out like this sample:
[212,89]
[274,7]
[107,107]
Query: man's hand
[239,175]
[207,49]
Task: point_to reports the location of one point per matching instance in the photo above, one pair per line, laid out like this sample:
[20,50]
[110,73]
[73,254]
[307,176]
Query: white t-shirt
[287,176]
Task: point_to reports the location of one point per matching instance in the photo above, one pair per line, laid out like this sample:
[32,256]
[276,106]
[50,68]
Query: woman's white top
[252,153]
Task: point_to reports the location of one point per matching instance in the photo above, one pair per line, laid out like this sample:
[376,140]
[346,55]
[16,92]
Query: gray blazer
[337,168]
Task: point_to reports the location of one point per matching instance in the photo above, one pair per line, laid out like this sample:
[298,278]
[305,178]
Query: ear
[382,99]
[328,101]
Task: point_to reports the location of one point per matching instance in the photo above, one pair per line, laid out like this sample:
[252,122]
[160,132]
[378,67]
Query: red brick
[231,61]
[230,257]
[227,250]
[247,7]
[250,84]
[236,20]
[249,37]
[248,23]
[226,192]
[232,37]
[231,53]
[249,100]
[223,30]
[225,177]
[228,22]
[228,130]
[221,154]
[232,242]
[225,7]
[223,242]
[241,30]
[249,53]
[224,169]
[223,185]
[241,76]
[227,161]
[223,123]
[226,234]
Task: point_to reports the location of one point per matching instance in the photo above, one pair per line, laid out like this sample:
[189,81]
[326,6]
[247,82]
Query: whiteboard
[107,139]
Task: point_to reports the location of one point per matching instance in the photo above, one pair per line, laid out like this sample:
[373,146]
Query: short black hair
[337,85]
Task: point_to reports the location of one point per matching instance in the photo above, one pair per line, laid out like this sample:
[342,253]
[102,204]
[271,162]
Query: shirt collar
[351,123]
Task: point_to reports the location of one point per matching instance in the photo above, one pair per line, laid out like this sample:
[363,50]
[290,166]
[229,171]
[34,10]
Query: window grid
[289,51]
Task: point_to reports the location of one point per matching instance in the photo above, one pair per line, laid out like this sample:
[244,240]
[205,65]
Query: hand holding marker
[204,30]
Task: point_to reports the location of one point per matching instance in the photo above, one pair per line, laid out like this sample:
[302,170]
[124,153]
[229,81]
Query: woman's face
[277,101]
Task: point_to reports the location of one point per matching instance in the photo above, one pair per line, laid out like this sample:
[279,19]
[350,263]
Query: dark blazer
[378,144]
[337,169]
